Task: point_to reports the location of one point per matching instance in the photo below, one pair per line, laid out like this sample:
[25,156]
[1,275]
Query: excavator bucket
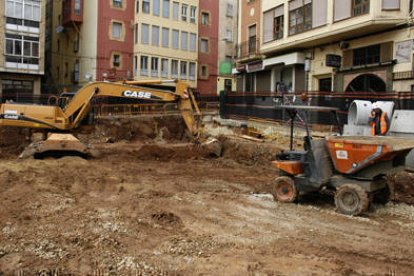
[57,145]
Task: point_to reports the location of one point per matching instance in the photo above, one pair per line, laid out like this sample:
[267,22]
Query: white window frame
[143,65]
[184,12]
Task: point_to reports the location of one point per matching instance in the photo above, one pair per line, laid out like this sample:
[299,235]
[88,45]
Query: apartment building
[227,39]
[248,59]
[22,38]
[166,40]
[208,50]
[335,45]
[90,40]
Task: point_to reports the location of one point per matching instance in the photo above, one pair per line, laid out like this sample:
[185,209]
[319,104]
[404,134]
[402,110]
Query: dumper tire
[351,199]
[284,190]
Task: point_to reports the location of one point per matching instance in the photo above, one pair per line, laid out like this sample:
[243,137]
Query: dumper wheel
[284,190]
[351,199]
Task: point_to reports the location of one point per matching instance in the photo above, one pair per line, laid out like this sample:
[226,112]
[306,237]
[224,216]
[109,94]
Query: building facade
[90,40]
[226,44]
[336,45]
[22,42]
[165,40]
[208,50]
[248,45]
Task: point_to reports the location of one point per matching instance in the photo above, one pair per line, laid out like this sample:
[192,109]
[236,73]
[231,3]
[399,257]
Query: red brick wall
[209,86]
[106,47]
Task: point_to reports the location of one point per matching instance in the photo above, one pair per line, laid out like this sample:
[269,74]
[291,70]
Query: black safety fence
[266,105]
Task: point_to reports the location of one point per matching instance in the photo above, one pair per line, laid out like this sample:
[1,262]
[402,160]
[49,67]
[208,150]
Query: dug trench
[154,203]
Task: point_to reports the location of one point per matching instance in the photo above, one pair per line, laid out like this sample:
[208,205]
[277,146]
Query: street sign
[333,60]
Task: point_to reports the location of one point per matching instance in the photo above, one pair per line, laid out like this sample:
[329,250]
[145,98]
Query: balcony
[405,75]
[335,21]
[248,50]
[72,12]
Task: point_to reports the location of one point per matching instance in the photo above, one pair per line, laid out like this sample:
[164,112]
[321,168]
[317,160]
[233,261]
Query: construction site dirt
[148,205]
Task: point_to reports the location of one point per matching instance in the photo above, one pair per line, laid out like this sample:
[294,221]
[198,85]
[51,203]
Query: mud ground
[168,208]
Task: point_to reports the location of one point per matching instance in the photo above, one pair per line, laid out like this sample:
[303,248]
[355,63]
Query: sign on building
[333,60]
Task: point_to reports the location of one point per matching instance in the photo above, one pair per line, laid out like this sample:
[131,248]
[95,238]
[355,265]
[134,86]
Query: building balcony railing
[248,49]
[72,12]
[405,75]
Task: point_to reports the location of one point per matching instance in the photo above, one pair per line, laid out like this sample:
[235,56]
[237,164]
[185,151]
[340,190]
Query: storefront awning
[288,59]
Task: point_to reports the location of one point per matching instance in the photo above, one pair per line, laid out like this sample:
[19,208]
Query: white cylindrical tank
[359,112]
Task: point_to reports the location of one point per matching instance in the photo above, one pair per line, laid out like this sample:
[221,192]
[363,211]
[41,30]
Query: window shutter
[342,9]
[390,4]
[386,51]
[268,25]
[319,12]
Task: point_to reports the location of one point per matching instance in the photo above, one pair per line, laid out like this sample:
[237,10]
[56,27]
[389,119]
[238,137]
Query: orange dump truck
[353,168]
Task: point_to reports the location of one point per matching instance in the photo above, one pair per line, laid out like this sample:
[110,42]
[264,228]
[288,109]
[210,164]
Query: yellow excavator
[59,121]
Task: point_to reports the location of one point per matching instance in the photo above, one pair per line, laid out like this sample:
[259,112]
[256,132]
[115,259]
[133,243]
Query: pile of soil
[142,128]
[13,141]
[404,187]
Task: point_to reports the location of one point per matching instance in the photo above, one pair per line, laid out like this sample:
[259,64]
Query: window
[144,34]
[229,10]
[136,33]
[203,71]
[229,35]
[175,39]
[183,70]
[176,9]
[137,6]
[174,69]
[166,8]
[205,18]
[117,3]
[367,55]
[156,7]
[204,45]
[22,49]
[300,16]
[184,9]
[154,67]
[116,61]
[77,7]
[252,39]
[193,14]
[165,37]
[146,6]
[15,87]
[29,10]
[66,69]
[273,24]
[360,7]
[192,71]
[164,68]
[155,36]
[135,65]
[184,41]
[75,76]
[144,66]
[193,42]
[116,30]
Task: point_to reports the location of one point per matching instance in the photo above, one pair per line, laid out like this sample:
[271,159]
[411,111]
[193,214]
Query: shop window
[325,85]
[250,84]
